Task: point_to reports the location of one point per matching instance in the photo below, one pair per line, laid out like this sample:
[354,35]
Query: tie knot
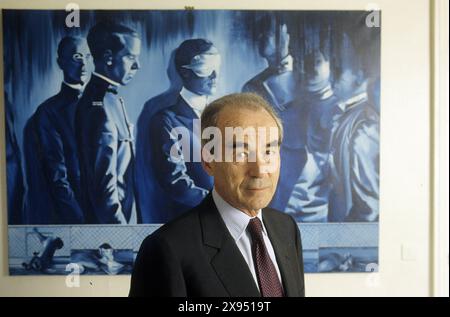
[112,89]
[255,228]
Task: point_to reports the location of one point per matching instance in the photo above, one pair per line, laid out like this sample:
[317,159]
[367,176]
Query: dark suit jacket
[106,153]
[195,255]
[53,174]
[148,189]
[179,185]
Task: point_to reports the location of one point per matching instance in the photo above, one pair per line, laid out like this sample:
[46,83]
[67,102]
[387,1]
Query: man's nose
[213,75]
[258,166]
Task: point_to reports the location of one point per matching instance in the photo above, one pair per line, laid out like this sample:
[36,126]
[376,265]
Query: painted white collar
[74,86]
[235,219]
[352,101]
[196,102]
[112,82]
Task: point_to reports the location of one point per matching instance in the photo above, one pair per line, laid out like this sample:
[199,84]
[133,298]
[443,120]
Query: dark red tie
[269,283]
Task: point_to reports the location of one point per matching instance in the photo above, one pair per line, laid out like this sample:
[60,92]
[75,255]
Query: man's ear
[184,73]
[207,166]
[60,63]
[108,57]
[360,78]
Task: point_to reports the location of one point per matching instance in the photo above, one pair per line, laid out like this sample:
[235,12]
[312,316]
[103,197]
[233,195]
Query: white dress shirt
[236,222]
[196,102]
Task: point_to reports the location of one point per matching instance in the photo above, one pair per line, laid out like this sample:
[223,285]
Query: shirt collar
[78,87]
[196,102]
[349,103]
[235,219]
[321,93]
[112,82]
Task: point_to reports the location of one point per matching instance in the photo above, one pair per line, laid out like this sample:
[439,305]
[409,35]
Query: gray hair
[246,100]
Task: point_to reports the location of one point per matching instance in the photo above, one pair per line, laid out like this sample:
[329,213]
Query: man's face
[247,184]
[125,62]
[107,253]
[319,70]
[203,86]
[199,82]
[348,84]
[75,62]
[268,46]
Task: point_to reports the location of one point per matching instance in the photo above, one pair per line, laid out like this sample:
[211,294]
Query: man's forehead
[241,116]
[81,46]
[132,43]
[244,128]
[76,46]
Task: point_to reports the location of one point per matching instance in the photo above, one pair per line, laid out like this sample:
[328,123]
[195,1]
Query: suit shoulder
[256,83]
[48,106]
[278,216]
[179,230]
[167,112]
[163,118]
[90,108]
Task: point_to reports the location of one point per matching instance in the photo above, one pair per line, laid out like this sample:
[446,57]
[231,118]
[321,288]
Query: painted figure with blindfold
[180,182]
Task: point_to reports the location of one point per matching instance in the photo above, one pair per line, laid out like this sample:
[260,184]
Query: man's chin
[257,203]
[126,80]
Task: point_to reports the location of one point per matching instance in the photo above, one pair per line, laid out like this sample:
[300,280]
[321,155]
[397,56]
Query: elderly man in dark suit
[230,244]
[52,167]
[180,182]
[104,132]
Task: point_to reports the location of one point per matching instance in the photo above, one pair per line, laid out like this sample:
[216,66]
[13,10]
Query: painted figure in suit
[146,183]
[279,86]
[180,181]
[104,133]
[354,149]
[52,167]
[309,198]
[230,244]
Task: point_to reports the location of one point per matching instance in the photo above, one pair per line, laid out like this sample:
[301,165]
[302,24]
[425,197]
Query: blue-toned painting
[91,106]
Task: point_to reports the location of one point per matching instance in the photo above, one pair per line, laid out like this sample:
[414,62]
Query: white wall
[405,252]
[441,148]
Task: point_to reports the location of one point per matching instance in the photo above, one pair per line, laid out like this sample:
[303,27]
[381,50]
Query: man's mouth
[258,189]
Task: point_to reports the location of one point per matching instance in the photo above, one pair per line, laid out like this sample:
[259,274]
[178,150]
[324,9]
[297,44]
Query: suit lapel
[226,259]
[281,246]
[184,113]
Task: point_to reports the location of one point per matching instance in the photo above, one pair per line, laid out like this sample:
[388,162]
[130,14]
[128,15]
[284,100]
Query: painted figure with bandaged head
[180,182]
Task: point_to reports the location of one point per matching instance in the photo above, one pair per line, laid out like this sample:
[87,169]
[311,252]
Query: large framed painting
[90,171]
